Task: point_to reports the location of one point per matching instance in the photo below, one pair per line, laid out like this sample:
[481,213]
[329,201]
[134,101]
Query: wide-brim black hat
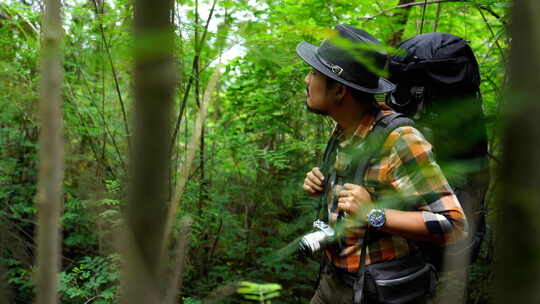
[343,64]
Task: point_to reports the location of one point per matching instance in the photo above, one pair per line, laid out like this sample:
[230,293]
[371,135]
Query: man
[342,85]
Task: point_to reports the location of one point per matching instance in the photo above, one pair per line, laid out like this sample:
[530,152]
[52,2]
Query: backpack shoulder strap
[330,147]
[384,125]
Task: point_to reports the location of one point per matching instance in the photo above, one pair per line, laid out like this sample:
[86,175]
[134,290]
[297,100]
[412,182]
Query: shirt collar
[363,129]
[359,134]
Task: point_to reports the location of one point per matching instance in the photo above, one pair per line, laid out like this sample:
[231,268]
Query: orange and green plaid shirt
[404,168]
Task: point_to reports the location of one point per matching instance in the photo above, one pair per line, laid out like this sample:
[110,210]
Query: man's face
[318,96]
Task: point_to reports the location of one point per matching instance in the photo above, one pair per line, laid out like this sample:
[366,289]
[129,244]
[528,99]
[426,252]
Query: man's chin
[315,111]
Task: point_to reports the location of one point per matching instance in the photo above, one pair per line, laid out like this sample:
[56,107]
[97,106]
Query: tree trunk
[518,240]
[51,155]
[155,79]
[401,17]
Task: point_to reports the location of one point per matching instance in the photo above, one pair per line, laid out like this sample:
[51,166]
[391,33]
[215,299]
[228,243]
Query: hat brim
[308,51]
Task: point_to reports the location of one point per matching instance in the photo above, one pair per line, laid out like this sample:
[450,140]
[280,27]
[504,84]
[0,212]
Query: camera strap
[359,284]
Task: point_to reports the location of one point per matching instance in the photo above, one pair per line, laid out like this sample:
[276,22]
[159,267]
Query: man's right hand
[314,182]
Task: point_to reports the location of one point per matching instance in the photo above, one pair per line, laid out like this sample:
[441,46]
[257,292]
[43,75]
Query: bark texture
[518,227]
[155,79]
[51,155]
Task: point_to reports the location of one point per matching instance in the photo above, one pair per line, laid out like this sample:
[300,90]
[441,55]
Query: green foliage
[191,301]
[248,206]
[92,279]
[20,279]
[261,293]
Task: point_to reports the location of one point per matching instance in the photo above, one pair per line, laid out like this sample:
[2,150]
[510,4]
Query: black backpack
[438,85]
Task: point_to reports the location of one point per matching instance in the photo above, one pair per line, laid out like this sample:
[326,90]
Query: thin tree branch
[428,2]
[103,119]
[423,17]
[175,282]
[183,170]
[115,77]
[91,299]
[198,50]
[383,12]
[102,159]
[493,13]
[216,240]
[205,32]
[492,33]
[181,112]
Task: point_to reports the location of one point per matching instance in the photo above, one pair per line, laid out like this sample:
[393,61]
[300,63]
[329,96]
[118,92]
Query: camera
[321,238]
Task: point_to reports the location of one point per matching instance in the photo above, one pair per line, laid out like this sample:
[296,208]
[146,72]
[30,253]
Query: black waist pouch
[398,281]
[402,280]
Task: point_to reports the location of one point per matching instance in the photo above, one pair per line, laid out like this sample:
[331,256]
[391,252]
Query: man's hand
[354,199]
[314,182]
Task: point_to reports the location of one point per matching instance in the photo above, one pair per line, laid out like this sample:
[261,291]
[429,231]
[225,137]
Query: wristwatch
[376,218]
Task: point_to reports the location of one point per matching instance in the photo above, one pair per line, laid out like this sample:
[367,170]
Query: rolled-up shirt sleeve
[413,172]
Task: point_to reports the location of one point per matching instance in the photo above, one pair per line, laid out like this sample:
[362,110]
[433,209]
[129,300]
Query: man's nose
[307,78]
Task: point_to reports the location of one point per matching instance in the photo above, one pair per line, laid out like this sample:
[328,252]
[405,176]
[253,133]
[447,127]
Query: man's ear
[341,91]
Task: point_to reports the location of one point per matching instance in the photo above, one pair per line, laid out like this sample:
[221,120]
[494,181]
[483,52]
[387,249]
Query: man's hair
[358,95]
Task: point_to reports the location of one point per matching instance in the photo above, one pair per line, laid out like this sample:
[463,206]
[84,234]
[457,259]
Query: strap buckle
[336,69]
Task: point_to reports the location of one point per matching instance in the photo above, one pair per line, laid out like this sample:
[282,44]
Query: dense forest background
[243,187]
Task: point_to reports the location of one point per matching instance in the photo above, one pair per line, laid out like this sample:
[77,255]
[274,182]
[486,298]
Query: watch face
[376,218]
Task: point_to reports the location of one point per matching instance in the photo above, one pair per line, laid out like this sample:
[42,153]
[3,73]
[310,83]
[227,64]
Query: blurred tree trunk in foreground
[51,155]
[155,78]
[518,227]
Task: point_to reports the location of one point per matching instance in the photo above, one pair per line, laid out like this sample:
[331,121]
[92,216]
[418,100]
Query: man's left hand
[354,199]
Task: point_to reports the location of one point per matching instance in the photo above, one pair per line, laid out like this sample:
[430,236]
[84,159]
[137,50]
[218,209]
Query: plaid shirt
[404,168]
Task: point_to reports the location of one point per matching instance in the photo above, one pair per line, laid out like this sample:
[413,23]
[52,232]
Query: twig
[493,84]
[27,22]
[115,77]
[409,5]
[216,240]
[205,32]
[491,31]
[492,13]
[191,77]
[107,130]
[423,16]
[428,2]
[91,299]
[102,159]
